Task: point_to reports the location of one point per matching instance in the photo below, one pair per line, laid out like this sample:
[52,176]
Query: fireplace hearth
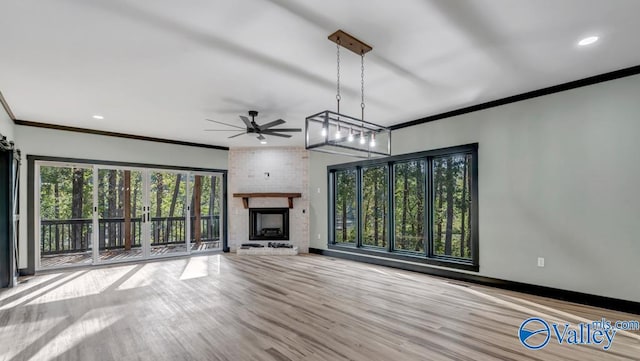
[269,224]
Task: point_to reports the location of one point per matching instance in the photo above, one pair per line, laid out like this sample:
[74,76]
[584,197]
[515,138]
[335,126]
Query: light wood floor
[229,307]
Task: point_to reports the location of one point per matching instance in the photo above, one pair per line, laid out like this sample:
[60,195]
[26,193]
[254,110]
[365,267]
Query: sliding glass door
[206,211]
[168,213]
[120,203]
[88,214]
[65,214]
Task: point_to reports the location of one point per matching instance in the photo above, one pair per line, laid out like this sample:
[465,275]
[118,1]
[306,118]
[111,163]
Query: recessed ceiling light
[98,116]
[588,40]
[263,142]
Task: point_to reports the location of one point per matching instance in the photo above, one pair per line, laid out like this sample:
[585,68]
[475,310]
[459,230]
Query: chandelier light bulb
[362,140]
[350,137]
[338,133]
[324,131]
[373,140]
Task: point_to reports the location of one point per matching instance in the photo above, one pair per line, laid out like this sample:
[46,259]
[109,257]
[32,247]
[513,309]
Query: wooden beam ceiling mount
[350,42]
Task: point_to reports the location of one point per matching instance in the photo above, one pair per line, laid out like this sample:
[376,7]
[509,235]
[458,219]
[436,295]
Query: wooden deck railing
[74,235]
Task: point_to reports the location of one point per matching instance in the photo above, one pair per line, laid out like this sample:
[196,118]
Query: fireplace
[269,224]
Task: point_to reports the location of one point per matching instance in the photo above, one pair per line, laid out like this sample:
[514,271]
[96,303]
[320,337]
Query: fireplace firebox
[269,224]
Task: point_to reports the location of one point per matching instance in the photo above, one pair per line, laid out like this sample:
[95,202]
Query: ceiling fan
[254,128]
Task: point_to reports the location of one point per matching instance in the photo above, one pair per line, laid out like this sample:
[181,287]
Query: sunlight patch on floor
[142,278]
[31,296]
[196,268]
[90,325]
[79,288]
[26,285]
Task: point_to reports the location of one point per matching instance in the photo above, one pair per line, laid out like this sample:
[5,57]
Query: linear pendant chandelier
[333,132]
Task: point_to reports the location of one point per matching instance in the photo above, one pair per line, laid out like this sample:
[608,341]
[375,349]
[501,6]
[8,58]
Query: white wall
[6,124]
[559,178]
[288,170]
[56,143]
[318,182]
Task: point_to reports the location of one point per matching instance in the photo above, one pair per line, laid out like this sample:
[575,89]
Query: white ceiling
[159,68]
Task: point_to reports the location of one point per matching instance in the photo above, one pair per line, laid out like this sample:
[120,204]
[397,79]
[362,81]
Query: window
[421,207]
[452,206]
[375,206]
[345,206]
[409,210]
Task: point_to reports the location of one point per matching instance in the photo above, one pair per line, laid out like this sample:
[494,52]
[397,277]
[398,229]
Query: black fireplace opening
[269,224]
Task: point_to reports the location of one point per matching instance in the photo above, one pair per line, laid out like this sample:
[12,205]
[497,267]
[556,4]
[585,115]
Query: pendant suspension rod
[338,97]
[362,83]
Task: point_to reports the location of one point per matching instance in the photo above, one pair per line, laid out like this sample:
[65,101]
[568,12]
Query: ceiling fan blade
[261,137]
[237,135]
[283,130]
[278,135]
[246,121]
[230,125]
[220,130]
[271,124]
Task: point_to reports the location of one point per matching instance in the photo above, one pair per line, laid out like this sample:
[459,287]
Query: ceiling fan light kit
[337,133]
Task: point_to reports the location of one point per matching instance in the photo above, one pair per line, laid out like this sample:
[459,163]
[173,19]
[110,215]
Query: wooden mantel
[245,197]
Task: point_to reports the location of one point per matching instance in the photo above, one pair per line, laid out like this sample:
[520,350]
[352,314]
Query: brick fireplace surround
[282,169]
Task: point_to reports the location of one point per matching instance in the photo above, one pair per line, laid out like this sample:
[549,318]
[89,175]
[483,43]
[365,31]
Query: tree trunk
[56,212]
[419,211]
[127,209]
[172,207]
[120,192]
[76,206]
[463,209]
[159,194]
[439,191]
[197,194]
[450,181]
[365,219]
[384,224]
[212,204]
[344,218]
[111,208]
[375,213]
[405,200]
[134,202]
[469,230]
[158,230]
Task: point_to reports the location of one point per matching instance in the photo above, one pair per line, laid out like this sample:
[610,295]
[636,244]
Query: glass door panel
[206,209]
[65,205]
[120,212]
[168,213]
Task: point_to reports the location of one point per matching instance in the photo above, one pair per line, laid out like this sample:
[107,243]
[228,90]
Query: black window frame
[428,256]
